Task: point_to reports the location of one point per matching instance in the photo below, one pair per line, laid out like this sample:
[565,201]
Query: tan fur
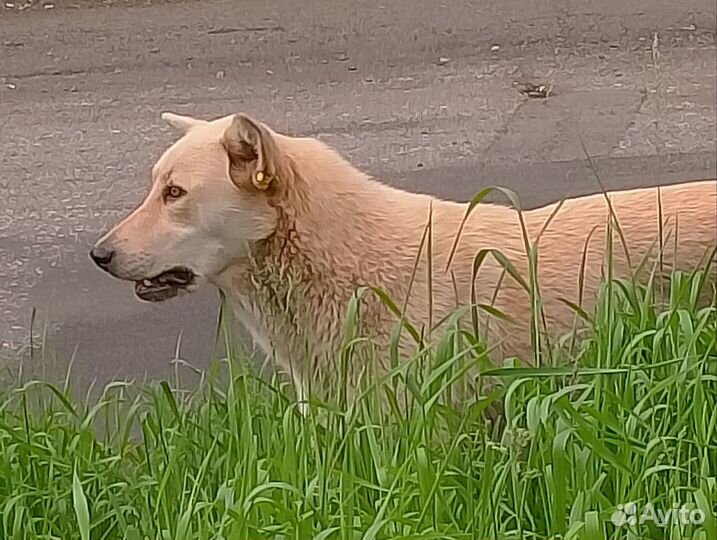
[290,253]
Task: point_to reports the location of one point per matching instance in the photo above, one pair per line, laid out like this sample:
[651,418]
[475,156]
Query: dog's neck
[326,217]
[317,250]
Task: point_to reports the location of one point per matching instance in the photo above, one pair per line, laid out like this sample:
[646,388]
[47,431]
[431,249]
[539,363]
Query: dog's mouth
[164,286]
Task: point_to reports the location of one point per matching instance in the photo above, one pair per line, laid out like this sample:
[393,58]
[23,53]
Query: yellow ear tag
[262,180]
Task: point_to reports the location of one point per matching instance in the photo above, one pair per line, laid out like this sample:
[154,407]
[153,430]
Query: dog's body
[288,230]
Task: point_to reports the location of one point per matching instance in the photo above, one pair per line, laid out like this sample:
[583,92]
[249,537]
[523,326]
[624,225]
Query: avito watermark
[630,514]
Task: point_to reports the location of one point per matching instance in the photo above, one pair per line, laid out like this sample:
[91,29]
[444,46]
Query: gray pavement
[420,93]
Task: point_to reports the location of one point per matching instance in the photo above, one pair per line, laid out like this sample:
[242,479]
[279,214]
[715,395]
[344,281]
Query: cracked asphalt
[422,94]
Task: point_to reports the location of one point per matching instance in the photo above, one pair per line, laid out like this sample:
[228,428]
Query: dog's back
[573,254]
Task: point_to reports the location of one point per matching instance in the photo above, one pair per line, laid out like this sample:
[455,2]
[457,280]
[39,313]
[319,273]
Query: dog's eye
[173,192]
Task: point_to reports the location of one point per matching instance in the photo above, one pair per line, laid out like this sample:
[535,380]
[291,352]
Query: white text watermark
[631,515]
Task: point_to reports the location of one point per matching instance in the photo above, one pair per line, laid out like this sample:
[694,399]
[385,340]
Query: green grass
[632,419]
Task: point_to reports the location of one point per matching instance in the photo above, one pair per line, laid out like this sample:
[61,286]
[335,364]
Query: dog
[288,230]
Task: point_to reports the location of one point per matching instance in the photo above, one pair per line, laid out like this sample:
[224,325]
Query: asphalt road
[419,93]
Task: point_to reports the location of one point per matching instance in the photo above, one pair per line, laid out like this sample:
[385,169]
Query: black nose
[101,256]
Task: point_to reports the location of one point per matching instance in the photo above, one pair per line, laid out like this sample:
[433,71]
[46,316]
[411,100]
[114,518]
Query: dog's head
[210,200]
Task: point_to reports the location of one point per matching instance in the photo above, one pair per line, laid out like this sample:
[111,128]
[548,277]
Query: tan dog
[288,230]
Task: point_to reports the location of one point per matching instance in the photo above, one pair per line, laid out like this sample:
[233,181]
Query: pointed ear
[180,123]
[252,148]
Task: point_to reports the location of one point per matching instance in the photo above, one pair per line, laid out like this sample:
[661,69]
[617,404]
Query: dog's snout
[102,256]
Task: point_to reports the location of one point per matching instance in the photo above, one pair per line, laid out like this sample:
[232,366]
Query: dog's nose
[102,256]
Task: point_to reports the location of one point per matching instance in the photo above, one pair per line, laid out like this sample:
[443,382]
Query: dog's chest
[249,316]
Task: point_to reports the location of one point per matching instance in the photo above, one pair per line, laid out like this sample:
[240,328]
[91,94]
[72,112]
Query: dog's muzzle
[158,288]
[165,285]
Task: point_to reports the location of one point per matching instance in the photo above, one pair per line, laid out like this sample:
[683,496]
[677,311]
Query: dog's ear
[252,148]
[181,123]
